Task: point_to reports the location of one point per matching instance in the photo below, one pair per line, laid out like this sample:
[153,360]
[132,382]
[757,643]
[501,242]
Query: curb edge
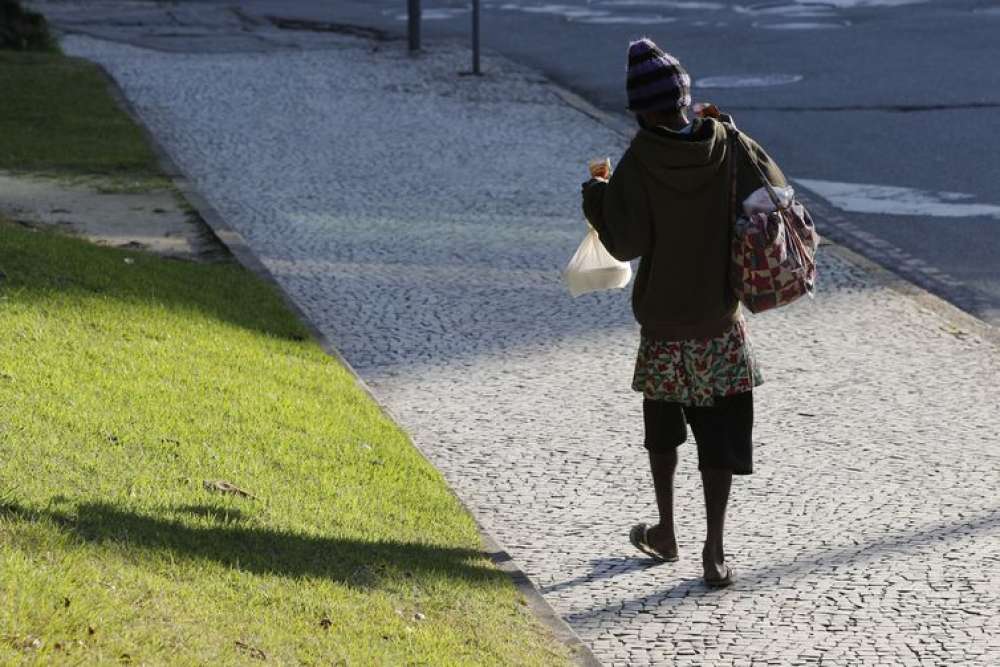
[924,298]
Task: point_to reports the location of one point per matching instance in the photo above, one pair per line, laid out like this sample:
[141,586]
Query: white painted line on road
[692,5]
[748,81]
[803,25]
[566,11]
[788,10]
[434,14]
[851,4]
[892,200]
[631,18]
[812,8]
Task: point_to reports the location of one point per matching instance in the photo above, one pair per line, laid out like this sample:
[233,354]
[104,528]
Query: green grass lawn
[56,118]
[126,381]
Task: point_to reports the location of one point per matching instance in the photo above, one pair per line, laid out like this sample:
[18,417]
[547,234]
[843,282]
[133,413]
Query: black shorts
[723,432]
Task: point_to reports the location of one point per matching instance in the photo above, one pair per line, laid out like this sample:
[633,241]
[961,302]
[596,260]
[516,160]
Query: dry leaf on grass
[222,486]
[68,644]
[30,643]
[252,651]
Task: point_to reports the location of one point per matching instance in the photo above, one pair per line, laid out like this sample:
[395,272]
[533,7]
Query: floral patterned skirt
[694,372]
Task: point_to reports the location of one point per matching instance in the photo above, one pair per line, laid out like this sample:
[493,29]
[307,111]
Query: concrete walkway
[421,220]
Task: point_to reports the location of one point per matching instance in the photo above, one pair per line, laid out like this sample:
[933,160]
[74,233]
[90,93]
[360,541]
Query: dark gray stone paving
[421,220]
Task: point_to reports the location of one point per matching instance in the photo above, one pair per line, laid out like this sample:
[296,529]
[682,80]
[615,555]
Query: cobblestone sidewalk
[421,220]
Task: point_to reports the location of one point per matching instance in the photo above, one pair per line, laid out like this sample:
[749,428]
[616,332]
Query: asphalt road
[899,100]
[885,112]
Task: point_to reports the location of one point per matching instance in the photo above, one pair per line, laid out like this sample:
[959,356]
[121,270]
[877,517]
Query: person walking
[669,202]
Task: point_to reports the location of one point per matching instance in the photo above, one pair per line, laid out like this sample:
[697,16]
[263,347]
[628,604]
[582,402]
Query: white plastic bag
[592,268]
[760,202]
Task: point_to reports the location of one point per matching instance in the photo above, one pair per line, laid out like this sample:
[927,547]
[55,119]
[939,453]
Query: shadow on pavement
[397,297]
[811,564]
[603,568]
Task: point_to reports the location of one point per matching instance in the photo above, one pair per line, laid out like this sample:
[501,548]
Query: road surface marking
[803,25]
[666,4]
[808,7]
[437,14]
[750,81]
[892,200]
[790,10]
[851,4]
[566,11]
[625,18]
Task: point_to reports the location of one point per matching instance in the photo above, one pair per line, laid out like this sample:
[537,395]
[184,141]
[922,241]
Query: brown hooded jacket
[668,202]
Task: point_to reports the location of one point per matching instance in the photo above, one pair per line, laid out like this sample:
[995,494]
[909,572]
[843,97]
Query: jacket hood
[682,163]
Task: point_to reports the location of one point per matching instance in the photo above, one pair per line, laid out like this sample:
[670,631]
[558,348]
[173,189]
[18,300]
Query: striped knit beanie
[655,80]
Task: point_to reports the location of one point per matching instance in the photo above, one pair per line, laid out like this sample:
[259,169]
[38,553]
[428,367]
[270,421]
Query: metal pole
[413,20]
[475,37]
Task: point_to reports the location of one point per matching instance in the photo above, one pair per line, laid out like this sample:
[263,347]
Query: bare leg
[716,484]
[661,537]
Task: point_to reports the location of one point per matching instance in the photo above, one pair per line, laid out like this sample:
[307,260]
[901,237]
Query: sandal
[723,581]
[638,537]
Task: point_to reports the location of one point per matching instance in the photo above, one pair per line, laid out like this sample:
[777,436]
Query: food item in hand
[706,110]
[600,168]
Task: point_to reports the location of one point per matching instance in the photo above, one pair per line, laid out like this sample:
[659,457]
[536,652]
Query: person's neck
[672,121]
[678,122]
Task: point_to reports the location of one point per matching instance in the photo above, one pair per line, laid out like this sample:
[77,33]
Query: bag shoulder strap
[734,211]
[736,138]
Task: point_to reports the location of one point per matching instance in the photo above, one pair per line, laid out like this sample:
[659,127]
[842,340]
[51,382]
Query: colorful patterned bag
[773,253]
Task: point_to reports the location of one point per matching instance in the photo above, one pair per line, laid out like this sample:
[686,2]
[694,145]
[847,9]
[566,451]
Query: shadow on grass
[213,513]
[351,561]
[41,266]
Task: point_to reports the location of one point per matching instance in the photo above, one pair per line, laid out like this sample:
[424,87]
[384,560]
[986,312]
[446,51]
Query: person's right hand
[600,169]
[707,110]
